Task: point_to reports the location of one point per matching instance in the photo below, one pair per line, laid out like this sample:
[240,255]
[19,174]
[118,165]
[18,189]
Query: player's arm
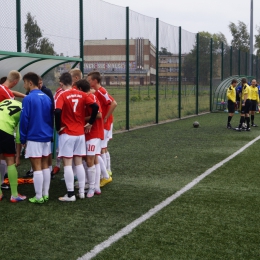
[24,121]
[57,114]
[111,109]
[18,94]
[93,116]
[18,146]
[99,115]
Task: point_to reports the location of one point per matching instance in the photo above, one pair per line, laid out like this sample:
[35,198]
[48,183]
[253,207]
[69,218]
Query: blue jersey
[36,120]
[238,92]
[258,90]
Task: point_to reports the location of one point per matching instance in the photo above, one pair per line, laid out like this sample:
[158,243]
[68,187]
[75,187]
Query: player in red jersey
[7,83]
[11,81]
[108,105]
[70,121]
[93,142]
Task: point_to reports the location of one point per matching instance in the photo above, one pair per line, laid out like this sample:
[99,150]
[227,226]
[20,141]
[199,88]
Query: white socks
[97,178]
[80,173]
[108,161]
[91,176]
[104,158]
[38,183]
[46,181]
[69,178]
[103,168]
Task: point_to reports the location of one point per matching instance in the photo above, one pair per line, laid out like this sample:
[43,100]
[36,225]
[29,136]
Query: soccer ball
[196,124]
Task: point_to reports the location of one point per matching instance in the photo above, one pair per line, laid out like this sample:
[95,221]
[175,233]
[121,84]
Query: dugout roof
[220,94]
[26,62]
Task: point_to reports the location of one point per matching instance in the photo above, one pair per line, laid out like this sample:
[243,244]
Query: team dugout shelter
[28,62]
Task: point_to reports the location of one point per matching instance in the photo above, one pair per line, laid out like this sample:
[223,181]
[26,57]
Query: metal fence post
[197,76]
[157,72]
[246,65]
[239,60]
[127,69]
[222,61]
[81,35]
[211,74]
[231,58]
[180,77]
[18,26]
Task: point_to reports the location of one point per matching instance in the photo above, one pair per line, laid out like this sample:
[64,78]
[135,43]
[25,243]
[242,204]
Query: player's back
[10,111]
[97,130]
[72,103]
[36,122]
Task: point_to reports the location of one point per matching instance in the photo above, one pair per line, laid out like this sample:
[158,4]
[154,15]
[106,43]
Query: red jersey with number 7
[73,102]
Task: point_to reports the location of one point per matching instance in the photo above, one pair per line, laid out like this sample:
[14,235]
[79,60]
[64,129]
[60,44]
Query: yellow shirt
[231,93]
[246,90]
[254,93]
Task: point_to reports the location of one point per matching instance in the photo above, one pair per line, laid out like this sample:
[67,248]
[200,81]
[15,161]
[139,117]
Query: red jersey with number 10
[73,102]
[97,129]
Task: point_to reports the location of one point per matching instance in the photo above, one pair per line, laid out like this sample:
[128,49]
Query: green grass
[149,165]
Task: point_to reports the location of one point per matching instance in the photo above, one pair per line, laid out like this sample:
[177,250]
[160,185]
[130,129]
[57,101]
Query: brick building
[109,58]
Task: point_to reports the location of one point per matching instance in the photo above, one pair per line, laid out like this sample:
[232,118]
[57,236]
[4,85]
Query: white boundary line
[128,229]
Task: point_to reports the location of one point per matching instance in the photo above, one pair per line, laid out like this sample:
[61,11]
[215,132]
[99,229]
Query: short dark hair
[233,81]
[83,85]
[243,80]
[2,80]
[95,75]
[66,78]
[33,77]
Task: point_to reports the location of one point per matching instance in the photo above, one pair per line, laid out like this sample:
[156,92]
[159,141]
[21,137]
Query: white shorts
[110,132]
[105,141]
[37,149]
[93,146]
[70,145]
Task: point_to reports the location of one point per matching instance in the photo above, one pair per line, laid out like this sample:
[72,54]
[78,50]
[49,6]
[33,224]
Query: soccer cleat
[36,201]
[248,129]
[67,198]
[18,198]
[55,170]
[228,126]
[29,174]
[238,129]
[90,193]
[254,125]
[97,191]
[1,196]
[109,173]
[82,195]
[46,198]
[104,181]
[5,186]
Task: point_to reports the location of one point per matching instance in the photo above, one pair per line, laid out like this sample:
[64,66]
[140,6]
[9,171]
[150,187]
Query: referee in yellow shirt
[245,107]
[231,96]
[254,101]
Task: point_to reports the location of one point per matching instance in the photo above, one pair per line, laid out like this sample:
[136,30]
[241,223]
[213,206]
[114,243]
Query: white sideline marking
[128,229]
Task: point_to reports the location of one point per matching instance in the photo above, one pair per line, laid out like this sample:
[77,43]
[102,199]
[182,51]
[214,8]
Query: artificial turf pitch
[217,219]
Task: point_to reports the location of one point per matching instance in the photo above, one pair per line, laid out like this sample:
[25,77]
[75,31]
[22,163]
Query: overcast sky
[197,15]
[59,21]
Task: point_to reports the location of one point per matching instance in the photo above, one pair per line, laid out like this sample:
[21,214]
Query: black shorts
[246,108]
[231,106]
[7,144]
[253,105]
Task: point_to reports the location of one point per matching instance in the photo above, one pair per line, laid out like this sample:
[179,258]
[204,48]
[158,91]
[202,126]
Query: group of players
[82,111]
[246,99]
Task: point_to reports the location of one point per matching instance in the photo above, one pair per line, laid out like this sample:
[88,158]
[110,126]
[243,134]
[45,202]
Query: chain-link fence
[155,71]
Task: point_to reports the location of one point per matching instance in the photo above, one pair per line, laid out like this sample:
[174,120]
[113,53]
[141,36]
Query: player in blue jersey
[36,131]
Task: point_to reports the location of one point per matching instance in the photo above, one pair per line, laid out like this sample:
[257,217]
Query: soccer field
[217,219]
